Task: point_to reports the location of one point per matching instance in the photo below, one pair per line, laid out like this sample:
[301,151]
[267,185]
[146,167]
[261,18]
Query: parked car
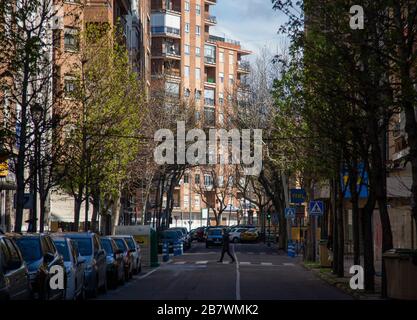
[41,255]
[89,247]
[206,230]
[197,234]
[74,267]
[114,260]
[127,256]
[170,236]
[250,235]
[235,233]
[14,275]
[214,237]
[135,251]
[185,236]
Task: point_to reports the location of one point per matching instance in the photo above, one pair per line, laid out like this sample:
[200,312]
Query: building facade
[191,64]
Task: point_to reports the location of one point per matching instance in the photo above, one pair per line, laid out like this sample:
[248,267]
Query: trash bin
[401,270]
[154,249]
[324,254]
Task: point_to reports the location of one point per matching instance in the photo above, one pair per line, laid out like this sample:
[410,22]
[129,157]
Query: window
[197,30]
[187,6]
[70,86]
[187,71]
[208,180]
[221,57]
[197,73]
[209,116]
[197,201]
[231,80]
[198,9]
[231,58]
[198,94]
[221,181]
[198,51]
[187,27]
[197,179]
[186,178]
[221,76]
[187,49]
[71,39]
[221,98]
[187,93]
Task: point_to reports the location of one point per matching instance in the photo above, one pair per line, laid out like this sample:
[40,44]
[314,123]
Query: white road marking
[180,262]
[226,262]
[244,263]
[201,262]
[148,274]
[289,264]
[266,263]
[237,275]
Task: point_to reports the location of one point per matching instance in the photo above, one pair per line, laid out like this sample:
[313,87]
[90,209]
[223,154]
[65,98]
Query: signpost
[315,209]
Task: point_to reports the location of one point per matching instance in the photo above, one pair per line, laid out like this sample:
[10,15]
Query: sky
[252,22]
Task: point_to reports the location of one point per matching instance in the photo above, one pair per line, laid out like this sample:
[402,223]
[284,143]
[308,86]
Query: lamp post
[37,112]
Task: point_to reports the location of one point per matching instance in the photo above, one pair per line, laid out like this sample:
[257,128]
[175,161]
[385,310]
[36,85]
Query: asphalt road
[259,274]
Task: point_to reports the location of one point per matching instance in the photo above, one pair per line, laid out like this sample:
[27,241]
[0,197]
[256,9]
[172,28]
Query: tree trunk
[340,267]
[116,208]
[353,178]
[96,209]
[21,156]
[335,234]
[77,211]
[368,243]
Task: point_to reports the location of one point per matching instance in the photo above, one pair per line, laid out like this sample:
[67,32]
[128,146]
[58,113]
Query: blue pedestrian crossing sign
[289,213]
[316,208]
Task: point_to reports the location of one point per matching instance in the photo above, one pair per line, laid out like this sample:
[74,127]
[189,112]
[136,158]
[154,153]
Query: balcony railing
[209,102]
[244,66]
[221,39]
[211,19]
[210,60]
[165,30]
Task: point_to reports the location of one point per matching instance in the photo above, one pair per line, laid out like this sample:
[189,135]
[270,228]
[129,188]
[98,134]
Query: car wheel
[140,267]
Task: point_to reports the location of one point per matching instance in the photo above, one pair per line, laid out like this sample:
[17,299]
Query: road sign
[289,213]
[316,208]
[297,195]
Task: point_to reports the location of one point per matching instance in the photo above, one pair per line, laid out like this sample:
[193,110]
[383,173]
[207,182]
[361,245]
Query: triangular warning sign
[316,208]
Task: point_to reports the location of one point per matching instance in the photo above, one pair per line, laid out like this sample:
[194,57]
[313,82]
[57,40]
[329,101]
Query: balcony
[210,82]
[171,52]
[211,20]
[166,31]
[210,60]
[243,66]
[212,38]
[213,2]
[209,102]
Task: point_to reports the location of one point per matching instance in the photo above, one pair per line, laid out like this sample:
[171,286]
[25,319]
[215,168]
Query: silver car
[135,251]
[74,267]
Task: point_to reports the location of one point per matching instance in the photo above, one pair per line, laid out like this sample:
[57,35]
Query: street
[259,274]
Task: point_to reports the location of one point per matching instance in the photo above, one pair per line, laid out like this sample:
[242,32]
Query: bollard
[291,249]
[165,251]
[176,248]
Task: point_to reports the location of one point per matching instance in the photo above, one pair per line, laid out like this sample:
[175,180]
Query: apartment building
[189,63]
[132,20]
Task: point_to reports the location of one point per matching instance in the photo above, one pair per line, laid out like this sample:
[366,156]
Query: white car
[234,234]
[74,267]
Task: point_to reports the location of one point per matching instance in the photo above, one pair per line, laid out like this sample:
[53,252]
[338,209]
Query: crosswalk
[241,263]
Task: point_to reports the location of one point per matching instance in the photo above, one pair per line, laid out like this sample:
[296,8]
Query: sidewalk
[343,283]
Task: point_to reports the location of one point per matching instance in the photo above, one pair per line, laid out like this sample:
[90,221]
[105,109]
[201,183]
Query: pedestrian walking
[226,246]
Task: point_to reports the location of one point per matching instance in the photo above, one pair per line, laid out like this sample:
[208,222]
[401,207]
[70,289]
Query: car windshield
[30,248]
[169,235]
[121,244]
[85,246]
[106,244]
[62,247]
[130,243]
[215,232]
